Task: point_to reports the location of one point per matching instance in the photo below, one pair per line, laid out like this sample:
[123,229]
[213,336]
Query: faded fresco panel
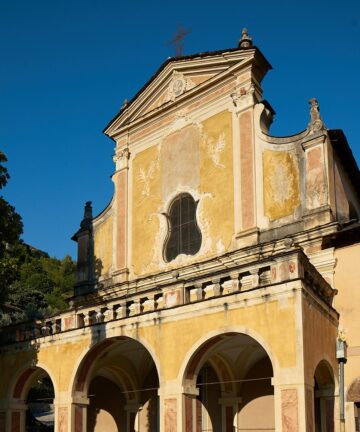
[280,183]
[217,184]
[180,162]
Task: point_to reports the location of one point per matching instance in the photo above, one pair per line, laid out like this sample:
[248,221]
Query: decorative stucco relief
[144,176]
[216,148]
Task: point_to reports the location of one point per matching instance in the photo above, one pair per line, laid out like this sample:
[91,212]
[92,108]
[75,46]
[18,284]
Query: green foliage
[10,231]
[4,175]
[41,284]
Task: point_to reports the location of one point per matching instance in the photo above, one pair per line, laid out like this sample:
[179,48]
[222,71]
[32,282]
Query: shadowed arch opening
[324,397]
[353,395]
[119,380]
[229,385]
[34,387]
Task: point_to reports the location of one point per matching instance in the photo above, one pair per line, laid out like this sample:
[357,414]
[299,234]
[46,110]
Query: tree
[32,284]
[10,230]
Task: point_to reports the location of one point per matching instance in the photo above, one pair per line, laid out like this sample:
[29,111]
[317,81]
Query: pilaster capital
[121,159]
[244,97]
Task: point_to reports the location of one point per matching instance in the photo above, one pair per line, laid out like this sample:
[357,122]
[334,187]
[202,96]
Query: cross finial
[245,40]
[178,40]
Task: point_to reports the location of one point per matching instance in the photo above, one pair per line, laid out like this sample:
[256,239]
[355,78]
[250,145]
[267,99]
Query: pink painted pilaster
[120,179]
[248,232]
[317,189]
[62,419]
[247,171]
[289,410]
[170,415]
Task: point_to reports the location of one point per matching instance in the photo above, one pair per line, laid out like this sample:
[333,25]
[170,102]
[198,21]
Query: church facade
[219,289]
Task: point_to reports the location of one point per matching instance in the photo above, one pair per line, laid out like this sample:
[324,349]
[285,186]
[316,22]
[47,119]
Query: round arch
[324,373]
[89,354]
[353,392]
[234,390]
[210,339]
[32,394]
[324,391]
[25,376]
[117,381]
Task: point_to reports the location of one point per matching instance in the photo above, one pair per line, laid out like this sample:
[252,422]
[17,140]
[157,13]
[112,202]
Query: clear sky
[67,65]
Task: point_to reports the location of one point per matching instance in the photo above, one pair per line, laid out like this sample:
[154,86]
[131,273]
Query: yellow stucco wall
[347,282]
[196,159]
[145,206]
[58,360]
[216,181]
[103,246]
[182,336]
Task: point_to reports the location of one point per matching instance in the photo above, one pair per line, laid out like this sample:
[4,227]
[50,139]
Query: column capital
[121,159]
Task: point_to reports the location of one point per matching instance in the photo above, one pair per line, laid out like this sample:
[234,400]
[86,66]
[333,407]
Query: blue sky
[66,67]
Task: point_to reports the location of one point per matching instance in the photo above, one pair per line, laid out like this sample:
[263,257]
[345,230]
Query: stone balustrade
[178,291]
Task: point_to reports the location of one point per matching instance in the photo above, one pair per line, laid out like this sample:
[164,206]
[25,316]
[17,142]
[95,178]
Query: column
[132,420]
[229,409]
[294,406]
[16,419]
[178,408]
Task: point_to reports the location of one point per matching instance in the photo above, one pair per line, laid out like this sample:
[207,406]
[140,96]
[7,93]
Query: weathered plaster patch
[280,184]
[315,179]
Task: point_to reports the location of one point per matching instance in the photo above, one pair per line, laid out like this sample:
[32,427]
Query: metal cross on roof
[178,40]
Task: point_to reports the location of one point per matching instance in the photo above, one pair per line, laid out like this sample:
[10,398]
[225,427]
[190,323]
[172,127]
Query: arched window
[184,236]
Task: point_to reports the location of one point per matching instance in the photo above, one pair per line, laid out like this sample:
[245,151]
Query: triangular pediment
[176,79]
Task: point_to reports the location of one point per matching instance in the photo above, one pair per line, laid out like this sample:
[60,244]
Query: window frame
[191,226]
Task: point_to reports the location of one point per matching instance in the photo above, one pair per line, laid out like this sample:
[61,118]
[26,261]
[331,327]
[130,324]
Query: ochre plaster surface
[182,336]
[216,181]
[346,281]
[103,246]
[145,208]
[280,184]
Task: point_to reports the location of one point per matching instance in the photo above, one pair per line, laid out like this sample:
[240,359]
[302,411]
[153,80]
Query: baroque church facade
[219,289]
